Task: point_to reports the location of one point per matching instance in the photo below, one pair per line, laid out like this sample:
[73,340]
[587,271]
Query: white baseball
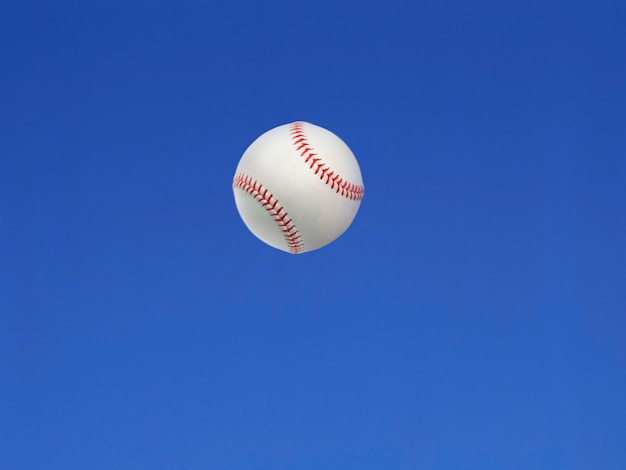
[298,187]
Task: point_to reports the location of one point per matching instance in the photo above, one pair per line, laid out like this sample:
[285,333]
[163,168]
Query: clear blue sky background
[473,316]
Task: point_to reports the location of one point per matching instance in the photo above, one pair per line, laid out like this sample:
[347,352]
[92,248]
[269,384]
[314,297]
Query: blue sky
[472,317]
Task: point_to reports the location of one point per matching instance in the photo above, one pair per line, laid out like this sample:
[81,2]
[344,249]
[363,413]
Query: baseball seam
[337,183]
[271,205]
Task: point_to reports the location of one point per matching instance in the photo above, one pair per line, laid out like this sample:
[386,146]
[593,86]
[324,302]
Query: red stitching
[337,183]
[267,200]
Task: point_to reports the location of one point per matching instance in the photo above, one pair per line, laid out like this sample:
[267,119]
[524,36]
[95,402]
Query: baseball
[298,187]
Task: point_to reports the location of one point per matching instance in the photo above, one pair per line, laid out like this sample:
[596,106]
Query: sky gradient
[472,317]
